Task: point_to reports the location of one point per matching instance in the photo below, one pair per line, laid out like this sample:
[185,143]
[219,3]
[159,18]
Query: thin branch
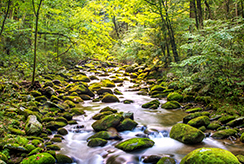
[64,52]
[34,8]
[55,33]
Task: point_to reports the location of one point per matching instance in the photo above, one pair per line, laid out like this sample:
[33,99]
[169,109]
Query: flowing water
[157,122]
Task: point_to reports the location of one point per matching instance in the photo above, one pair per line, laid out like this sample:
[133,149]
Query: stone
[171,105]
[53,147]
[33,126]
[98,116]
[166,160]
[101,91]
[135,144]
[94,142]
[108,109]
[174,96]
[63,158]
[127,124]
[107,122]
[54,125]
[154,104]
[225,119]
[224,133]
[191,116]
[186,134]
[62,131]
[193,110]
[199,121]
[152,159]
[210,156]
[42,158]
[236,122]
[109,98]
[213,125]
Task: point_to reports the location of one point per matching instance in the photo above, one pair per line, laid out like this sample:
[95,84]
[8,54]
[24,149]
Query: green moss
[224,133]
[156,88]
[29,147]
[198,109]
[236,122]
[63,159]
[62,131]
[240,158]
[56,139]
[35,151]
[107,122]
[225,119]
[127,124]
[15,131]
[35,93]
[36,142]
[81,78]
[54,125]
[186,134]
[95,86]
[98,116]
[75,99]
[135,144]
[154,104]
[41,99]
[242,137]
[108,109]
[93,142]
[69,103]
[214,125]
[171,105]
[174,96]
[77,111]
[187,118]
[199,121]
[107,83]
[3,157]
[48,119]
[166,160]
[108,98]
[117,92]
[53,147]
[42,158]
[210,156]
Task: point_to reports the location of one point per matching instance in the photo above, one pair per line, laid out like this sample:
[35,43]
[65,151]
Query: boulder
[213,125]
[199,121]
[193,110]
[166,160]
[174,96]
[186,134]
[210,156]
[154,104]
[107,122]
[127,124]
[42,158]
[108,98]
[236,122]
[135,144]
[63,158]
[97,142]
[225,119]
[101,91]
[62,131]
[108,109]
[98,116]
[33,126]
[224,133]
[171,105]
[54,125]
[191,116]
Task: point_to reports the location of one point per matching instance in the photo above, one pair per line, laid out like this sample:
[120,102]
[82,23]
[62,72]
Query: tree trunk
[35,43]
[5,17]
[227,3]
[192,8]
[209,10]
[115,26]
[199,13]
[242,10]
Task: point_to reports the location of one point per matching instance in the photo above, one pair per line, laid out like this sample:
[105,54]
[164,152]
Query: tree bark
[199,13]
[242,10]
[35,43]
[209,10]
[5,17]
[115,26]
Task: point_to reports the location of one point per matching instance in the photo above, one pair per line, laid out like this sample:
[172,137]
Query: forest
[156,68]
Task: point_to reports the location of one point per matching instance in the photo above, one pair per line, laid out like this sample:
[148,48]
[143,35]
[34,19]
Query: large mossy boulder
[98,116]
[186,134]
[101,91]
[107,122]
[154,104]
[210,156]
[127,124]
[191,116]
[193,110]
[42,158]
[199,121]
[80,89]
[236,122]
[224,133]
[33,126]
[166,160]
[171,105]
[54,125]
[109,98]
[80,78]
[63,158]
[174,96]
[107,83]
[135,144]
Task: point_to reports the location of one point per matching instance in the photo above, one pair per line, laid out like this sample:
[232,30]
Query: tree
[5,17]
[36,13]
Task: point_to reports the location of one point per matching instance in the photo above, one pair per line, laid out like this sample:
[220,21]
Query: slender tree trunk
[192,8]
[227,3]
[209,10]
[242,8]
[35,43]
[115,26]
[5,17]
[199,13]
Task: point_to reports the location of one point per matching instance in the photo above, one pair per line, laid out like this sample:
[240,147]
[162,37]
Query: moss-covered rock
[156,88]
[236,122]
[117,92]
[15,131]
[108,109]
[118,80]
[240,158]
[54,125]
[75,99]
[42,158]
[186,134]
[171,105]
[77,111]
[107,83]
[15,147]
[98,116]
[68,115]
[108,98]
[102,134]
[174,96]
[213,125]
[80,78]
[63,158]
[56,139]
[80,89]
[33,126]
[41,98]
[224,133]
[35,151]
[199,121]
[107,122]
[187,118]
[226,118]
[85,97]
[193,110]
[127,124]
[35,93]
[94,142]
[102,91]
[135,144]
[154,104]
[62,131]
[70,103]
[53,147]
[3,157]
[166,160]
[210,156]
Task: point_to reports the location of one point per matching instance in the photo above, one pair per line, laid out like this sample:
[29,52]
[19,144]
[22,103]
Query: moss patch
[135,144]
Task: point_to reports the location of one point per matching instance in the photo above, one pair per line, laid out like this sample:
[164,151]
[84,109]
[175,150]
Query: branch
[64,52]
[151,3]
[34,9]
[55,33]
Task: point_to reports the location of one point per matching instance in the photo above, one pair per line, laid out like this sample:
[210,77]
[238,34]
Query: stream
[157,122]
